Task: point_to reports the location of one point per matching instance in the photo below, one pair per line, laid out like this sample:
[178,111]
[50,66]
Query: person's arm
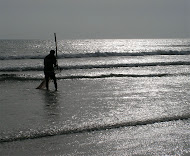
[55,62]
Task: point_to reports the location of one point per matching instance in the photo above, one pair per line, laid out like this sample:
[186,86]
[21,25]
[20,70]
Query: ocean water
[115,97]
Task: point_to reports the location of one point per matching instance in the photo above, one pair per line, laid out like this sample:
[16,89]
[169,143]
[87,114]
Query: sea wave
[21,57]
[97,54]
[88,66]
[53,131]
[28,77]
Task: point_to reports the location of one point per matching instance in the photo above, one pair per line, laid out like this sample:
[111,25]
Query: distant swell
[109,54]
[32,134]
[19,57]
[11,69]
[123,75]
[98,54]
[126,65]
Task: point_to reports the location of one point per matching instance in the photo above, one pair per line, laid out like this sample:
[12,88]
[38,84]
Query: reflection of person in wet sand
[52,109]
[49,63]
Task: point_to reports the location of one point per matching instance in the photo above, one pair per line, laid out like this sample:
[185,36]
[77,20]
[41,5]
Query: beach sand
[107,116]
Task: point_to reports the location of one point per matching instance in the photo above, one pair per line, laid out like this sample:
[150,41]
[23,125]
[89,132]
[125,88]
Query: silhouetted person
[49,63]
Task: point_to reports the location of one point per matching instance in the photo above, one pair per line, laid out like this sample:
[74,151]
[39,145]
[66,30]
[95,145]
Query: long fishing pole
[56,49]
[55,44]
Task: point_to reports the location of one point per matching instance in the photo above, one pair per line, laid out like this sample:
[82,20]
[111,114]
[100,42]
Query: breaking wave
[25,77]
[70,67]
[98,54]
[53,131]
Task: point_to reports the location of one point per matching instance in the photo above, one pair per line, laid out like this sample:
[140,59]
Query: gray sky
[80,19]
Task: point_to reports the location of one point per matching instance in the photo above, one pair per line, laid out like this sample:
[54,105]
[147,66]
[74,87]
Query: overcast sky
[92,19]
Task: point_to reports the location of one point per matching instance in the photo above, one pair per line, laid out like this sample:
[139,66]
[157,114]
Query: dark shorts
[50,75]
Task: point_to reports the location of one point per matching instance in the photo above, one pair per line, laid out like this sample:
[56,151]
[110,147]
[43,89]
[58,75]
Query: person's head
[52,52]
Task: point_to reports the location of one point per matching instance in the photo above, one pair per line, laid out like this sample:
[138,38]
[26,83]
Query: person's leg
[55,83]
[54,80]
[47,81]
